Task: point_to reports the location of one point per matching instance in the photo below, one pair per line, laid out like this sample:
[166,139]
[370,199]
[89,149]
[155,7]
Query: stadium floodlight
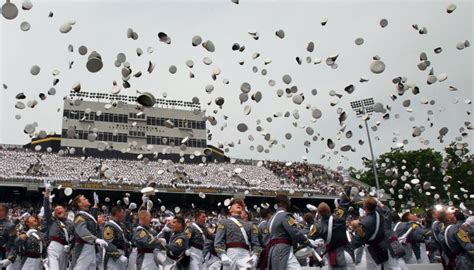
[364,108]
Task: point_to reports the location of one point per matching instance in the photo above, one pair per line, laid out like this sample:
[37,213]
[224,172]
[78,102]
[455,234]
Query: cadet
[456,237]
[85,235]
[264,236]
[283,234]
[332,229]
[236,240]
[370,231]
[178,244]
[32,245]
[117,237]
[59,231]
[146,242]
[197,235]
[7,238]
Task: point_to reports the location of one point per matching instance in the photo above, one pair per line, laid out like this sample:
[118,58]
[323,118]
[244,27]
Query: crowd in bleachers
[265,176]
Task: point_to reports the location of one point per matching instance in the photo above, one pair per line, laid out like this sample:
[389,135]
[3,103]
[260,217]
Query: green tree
[422,177]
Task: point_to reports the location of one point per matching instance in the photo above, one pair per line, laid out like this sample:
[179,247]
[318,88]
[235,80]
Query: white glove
[166,229]
[149,205]
[132,206]
[67,248]
[316,243]
[123,260]
[48,186]
[225,260]
[51,198]
[162,241]
[25,215]
[188,252]
[145,199]
[101,242]
[45,263]
[5,263]
[254,261]
[96,198]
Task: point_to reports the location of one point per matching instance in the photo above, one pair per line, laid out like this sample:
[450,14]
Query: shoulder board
[360,231]
[254,229]
[179,242]
[79,219]
[339,212]
[142,234]
[463,236]
[108,233]
[291,220]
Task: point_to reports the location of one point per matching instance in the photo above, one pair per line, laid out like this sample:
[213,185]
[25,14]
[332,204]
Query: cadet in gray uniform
[146,242]
[85,235]
[264,236]
[283,235]
[236,240]
[370,231]
[197,234]
[117,237]
[332,229]
[7,238]
[32,245]
[461,249]
[60,233]
[178,244]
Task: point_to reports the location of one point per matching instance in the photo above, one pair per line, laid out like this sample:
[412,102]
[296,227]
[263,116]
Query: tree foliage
[423,177]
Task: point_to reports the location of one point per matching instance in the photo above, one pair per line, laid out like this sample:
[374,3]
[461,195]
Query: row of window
[101,136]
[123,118]
[122,138]
[134,133]
[92,116]
[135,116]
[179,123]
[159,140]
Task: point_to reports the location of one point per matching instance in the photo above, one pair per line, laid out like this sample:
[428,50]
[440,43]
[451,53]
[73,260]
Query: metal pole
[373,158]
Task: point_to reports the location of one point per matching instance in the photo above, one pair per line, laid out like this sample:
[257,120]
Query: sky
[102,26]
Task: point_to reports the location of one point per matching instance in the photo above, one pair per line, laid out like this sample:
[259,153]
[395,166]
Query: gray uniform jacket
[378,247]
[118,239]
[263,233]
[85,232]
[33,246]
[339,241]
[228,234]
[7,240]
[283,227]
[178,244]
[460,246]
[61,231]
[145,242]
[195,237]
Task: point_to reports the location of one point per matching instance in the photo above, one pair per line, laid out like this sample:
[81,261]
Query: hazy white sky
[102,25]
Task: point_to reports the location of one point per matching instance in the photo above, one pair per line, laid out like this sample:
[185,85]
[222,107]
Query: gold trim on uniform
[255,229]
[79,219]
[360,232]
[291,221]
[339,212]
[463,236]
[179,242]
[142,234]
[312,230]
[108,233]
[220,226]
